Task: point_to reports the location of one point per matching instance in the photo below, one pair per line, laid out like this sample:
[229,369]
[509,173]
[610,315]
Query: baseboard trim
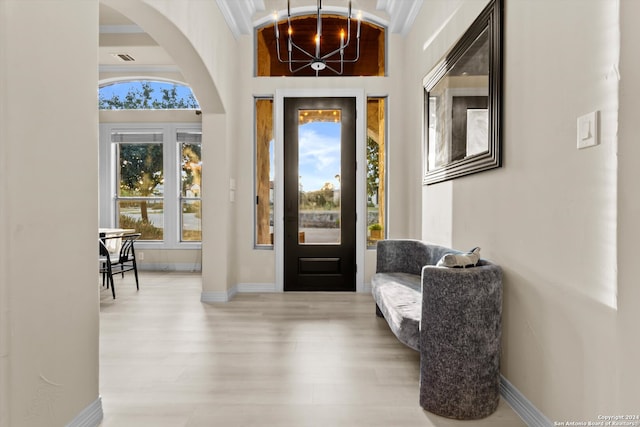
[366,288]
[190,267]
[222,296]
[218,296]
[531,415]
[242,288]
[256,287]
[91,416]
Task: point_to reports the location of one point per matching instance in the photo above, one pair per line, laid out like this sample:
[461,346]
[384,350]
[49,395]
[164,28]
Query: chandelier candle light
[317,61]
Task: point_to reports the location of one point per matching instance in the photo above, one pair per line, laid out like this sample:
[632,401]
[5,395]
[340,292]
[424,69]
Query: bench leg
[378,312]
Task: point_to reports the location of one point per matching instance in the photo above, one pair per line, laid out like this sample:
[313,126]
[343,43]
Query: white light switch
[588,130]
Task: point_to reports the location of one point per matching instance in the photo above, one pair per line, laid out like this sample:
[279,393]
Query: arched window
[146,95]
[150,178]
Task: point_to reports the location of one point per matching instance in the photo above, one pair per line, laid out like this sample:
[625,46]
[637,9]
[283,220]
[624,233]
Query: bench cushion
[400,305]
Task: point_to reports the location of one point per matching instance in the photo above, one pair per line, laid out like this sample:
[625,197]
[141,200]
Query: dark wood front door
[319,194]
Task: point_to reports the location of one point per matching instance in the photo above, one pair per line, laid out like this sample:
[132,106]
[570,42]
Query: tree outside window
[146,95]
[140,183]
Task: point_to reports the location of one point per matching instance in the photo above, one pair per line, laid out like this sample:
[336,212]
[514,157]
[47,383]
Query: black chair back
[118,256]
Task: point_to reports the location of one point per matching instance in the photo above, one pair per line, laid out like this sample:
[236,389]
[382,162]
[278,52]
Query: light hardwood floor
[285,360]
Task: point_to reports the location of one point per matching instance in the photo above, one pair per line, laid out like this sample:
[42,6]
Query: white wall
[549,215]
[49,303]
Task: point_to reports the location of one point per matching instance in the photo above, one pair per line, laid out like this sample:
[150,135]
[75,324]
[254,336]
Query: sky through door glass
[319,150]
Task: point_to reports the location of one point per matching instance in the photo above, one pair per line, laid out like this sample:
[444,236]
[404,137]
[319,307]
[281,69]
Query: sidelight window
[264,172]
[376,170]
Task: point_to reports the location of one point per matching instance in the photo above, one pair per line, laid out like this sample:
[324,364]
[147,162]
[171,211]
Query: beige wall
[205,29]
[561,222]
[195,34]
[48,211]
[550,215]
[628,316]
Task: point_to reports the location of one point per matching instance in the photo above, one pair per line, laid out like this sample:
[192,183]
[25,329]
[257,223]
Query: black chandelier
[299,59]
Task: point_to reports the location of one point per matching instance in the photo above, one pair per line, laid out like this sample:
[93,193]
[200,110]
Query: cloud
[319,154]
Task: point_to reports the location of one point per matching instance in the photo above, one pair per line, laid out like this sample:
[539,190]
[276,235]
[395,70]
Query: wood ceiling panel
[370,63]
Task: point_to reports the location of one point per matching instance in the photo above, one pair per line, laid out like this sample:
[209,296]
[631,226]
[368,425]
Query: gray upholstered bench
[452,316]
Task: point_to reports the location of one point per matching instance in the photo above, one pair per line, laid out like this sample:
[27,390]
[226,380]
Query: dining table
[110,237]
[113,232]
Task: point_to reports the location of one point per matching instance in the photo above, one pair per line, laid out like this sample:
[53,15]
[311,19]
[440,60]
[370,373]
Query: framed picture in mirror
[462,105]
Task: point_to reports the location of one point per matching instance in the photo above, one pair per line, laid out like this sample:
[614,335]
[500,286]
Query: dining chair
[117,256]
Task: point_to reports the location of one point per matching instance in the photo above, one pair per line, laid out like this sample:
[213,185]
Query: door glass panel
[319,151]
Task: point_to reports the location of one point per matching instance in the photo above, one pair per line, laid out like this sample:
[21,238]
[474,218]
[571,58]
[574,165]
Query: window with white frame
[151,181]
[190,151]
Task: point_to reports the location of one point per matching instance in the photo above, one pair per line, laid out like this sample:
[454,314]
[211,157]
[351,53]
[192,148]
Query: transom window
[146,95]
[371,60]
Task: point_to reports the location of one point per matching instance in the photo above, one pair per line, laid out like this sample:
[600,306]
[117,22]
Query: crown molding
[402,12]
[311,10]
[238,14]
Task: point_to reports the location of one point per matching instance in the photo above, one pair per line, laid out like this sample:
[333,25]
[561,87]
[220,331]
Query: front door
[319,194]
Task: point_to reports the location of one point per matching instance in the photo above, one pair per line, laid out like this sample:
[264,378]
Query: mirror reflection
[462,103]
[461,94]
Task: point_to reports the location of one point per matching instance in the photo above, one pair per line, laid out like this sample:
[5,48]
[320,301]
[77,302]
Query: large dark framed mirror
[463,92]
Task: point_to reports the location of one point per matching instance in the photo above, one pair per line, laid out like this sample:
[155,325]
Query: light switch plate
[588,130]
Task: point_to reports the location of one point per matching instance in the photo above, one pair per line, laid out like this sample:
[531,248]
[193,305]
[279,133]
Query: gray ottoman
[460,342]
